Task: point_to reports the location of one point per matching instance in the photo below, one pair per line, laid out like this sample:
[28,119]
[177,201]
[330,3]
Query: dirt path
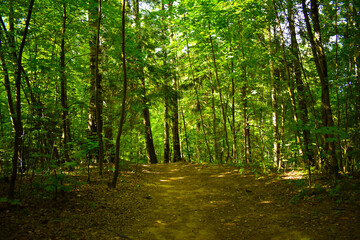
[184,202]
[188,201]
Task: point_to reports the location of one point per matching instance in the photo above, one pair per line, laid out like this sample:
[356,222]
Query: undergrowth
[345,190]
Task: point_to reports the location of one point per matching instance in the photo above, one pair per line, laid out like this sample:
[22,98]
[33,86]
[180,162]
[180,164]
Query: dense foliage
[273,83]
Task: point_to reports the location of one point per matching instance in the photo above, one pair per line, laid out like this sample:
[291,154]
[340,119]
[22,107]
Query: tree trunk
[93,13]
[64,105]
[289,81]
[246,125]
[166,127]
[175,123]
[300,87]
[198,106]
[354,9]
[167,154]
[174,96]
[331,162]
[220,96]
[7,85]
[98,94]
[186,137]
[95,123]
[150,149]
[233,122]
[18,141]
[275,117]
[122,117]
[274,73]
[218,154]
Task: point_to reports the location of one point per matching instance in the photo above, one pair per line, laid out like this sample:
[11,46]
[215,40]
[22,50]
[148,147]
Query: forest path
[194,201]
[182,201]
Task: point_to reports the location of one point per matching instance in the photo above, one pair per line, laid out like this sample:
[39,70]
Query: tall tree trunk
[275,117]
[166,127]
[7,84]
[331,162]
[220,96]
[338,89]
[1,122]
[174,96]
[355,21]
[93,14]
[10,102]
[233,122]
[175,122]
[289,81]
[98,95]
[300,87]
[186,134]
[18,141]
[246,125]
[218,153]
[244,93]
[274,73]
[123,106]
[198,104]
[291,92]
[64,105]
[95,106]
[166,89]
[311,104]
[150,149]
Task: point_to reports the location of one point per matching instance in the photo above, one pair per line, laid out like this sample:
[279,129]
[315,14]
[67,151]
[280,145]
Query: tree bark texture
[331,162]
[18,140]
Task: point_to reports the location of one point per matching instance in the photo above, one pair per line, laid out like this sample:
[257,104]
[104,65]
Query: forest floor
[192,201]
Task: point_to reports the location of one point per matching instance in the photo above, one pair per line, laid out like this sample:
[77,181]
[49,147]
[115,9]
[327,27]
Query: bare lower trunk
[175,125]
[148,133]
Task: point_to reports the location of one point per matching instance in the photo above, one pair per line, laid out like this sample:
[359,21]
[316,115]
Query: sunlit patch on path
[193,201]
